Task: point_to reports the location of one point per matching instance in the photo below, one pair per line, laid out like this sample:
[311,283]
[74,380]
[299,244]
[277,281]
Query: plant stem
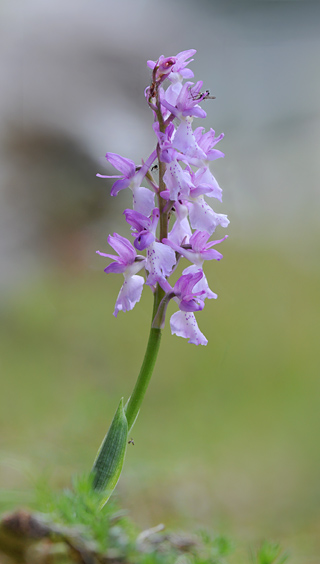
[134,402]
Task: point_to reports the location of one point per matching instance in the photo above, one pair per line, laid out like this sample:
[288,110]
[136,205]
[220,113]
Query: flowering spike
[170,218]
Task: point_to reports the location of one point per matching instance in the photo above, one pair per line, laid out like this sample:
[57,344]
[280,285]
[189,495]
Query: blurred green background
[228,435]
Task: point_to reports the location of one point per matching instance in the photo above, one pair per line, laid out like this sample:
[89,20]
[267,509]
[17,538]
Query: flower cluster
[170,217]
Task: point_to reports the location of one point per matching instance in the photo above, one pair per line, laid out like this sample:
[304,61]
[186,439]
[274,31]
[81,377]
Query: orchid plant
[170,220]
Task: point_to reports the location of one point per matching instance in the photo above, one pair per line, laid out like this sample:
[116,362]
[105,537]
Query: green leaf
[109,461]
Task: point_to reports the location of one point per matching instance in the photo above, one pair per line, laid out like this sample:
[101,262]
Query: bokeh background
[228,436]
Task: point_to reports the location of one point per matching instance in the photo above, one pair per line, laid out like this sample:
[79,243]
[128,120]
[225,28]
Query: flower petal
[115,268]
[126,166]
[143,240]
[160,262]
[123,247]
[202,285]
[129,294]
[143,200]
[177,180]
[183,324]
[120,184]
[204,218]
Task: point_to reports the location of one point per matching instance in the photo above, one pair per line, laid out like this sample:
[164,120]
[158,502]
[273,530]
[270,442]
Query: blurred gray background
[72,80]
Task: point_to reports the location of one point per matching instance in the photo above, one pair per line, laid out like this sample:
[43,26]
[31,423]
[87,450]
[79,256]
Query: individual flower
[206,141]
[132,177]
[197,250]
[174,67]
[177,181]
[161,68]
[179,70]
[187,101]
[183,323]
[185,141]
[128,263]
[184,291]
[144,227]
[201,214]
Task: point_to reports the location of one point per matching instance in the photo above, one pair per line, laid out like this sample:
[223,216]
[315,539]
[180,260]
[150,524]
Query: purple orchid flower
[185,141]
[201,215]
[188,188]
[132,177]
[177,181]
[183,323]
[128,263]
[189,300]
[207,141]
[183,291]
[179,70]
[162,67]
[197,250]
[199,147]
[145,227]
[187,101]
[174,67]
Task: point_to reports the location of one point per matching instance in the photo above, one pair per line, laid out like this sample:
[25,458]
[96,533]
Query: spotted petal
[183,324]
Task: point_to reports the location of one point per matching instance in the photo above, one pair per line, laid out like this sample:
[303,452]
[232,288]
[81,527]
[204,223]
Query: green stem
[134,402]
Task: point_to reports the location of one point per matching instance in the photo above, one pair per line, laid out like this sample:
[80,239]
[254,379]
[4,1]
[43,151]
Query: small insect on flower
[202,96]
[208,97]
[131,442]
